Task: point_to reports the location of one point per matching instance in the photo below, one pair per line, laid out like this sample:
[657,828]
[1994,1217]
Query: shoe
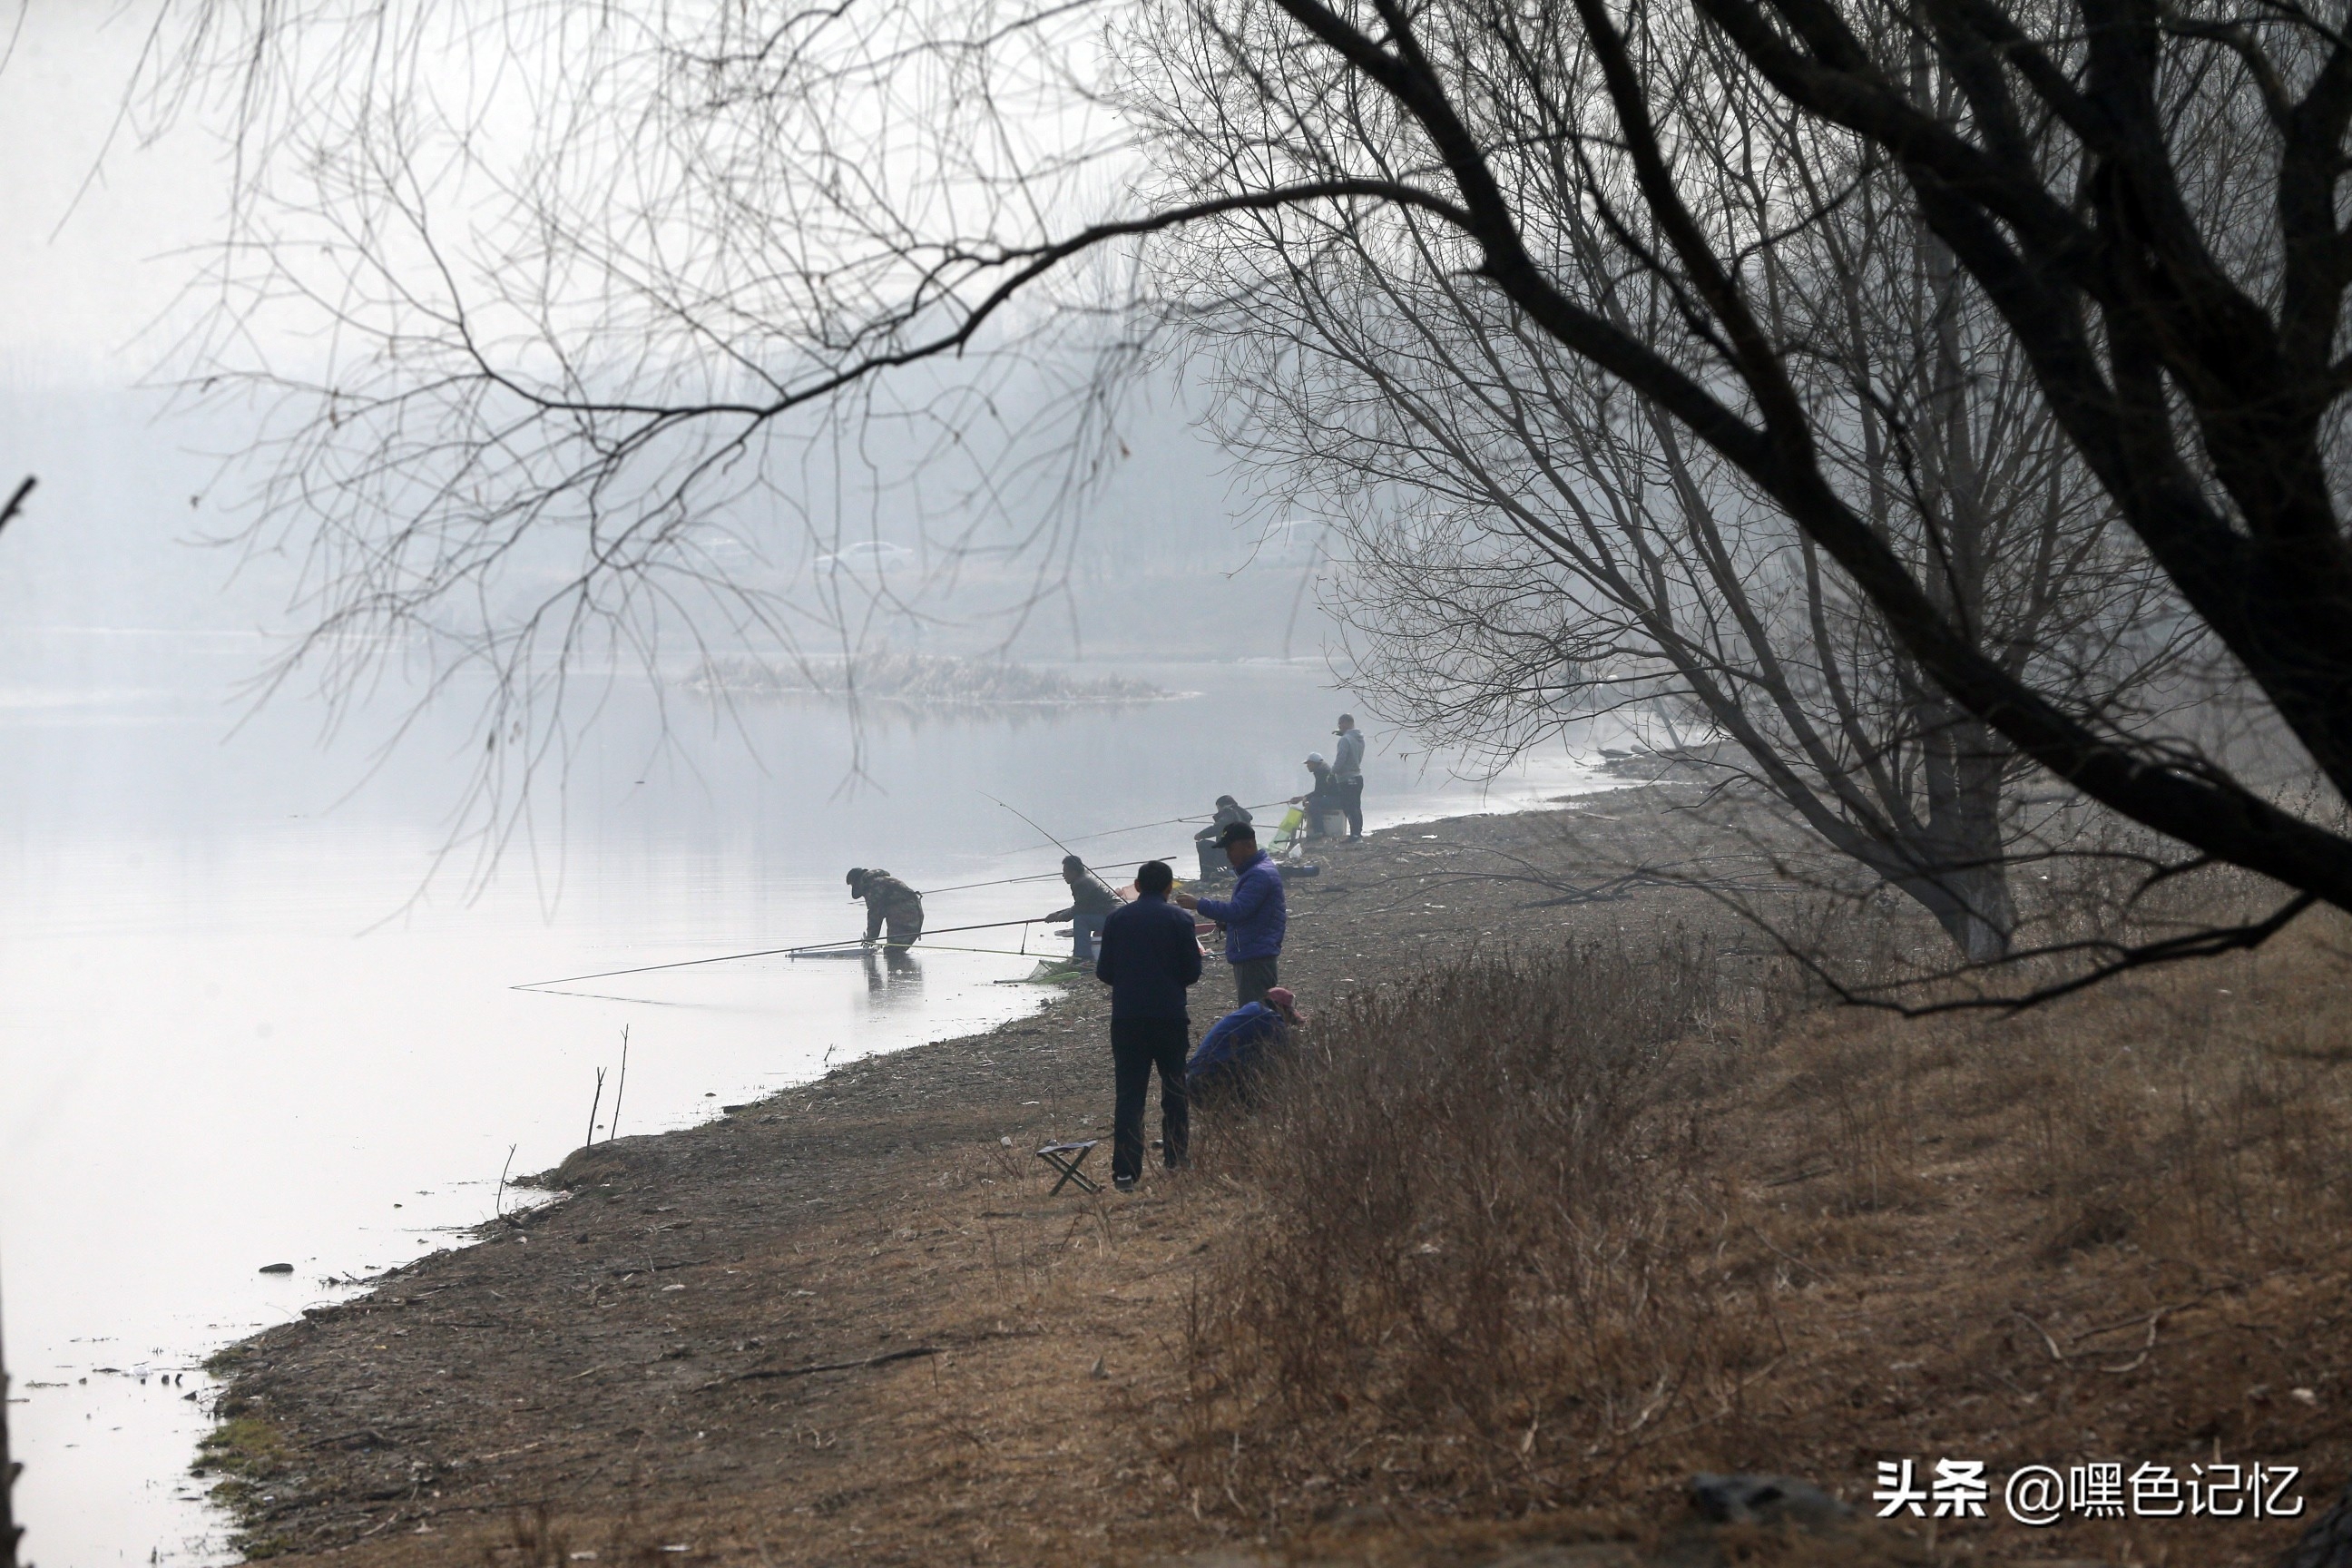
[1123,1184]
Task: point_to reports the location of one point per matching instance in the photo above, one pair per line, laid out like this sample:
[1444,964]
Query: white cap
[1313,756]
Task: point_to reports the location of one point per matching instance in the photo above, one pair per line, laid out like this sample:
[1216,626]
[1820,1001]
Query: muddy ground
[632,1365]
[850,1324]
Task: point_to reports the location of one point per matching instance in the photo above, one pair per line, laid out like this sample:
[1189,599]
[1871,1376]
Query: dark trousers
[1351,801]
[1253,978]
[1138,1046]
[1085,931]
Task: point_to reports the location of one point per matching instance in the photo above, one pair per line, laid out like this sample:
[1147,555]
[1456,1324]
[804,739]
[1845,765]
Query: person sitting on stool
[1212,861]
[1327,799]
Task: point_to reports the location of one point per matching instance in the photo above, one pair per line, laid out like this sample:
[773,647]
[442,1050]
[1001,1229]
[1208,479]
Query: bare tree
[737,216]
[1527,544]
[10,1531]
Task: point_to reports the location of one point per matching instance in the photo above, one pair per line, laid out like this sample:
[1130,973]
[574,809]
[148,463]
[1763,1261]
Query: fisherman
[887,902]
[1326,799]
[1348,774]
[1229,811]
[1239,1045]
[1149,957]
[1090,902]
[1253,918]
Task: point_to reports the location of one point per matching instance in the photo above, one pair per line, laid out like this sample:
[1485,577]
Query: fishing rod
[732,957]
[1116,832]
[1039,826]
[861,950]
[1037,877]
[945,930]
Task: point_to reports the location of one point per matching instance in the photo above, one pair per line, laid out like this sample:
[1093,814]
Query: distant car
[879,555]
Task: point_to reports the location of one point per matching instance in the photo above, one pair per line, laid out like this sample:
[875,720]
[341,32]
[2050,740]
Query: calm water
[235,1034]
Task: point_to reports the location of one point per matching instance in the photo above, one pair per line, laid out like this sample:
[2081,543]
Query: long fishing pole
[860,949]
[850,952]
[731,957]
[1039,826]
[1044,876]
[811,947]
[1116,832]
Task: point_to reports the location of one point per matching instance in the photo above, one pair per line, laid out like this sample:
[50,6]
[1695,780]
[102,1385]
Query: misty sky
[83,278]
[112,224]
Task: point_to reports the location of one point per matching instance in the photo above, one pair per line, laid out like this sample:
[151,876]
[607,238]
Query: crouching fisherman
[1090,904]
[1238,1046]
[1149,957]
[888,902]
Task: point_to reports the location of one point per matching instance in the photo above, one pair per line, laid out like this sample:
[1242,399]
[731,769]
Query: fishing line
[731,957]
[1039,826]
[1116,831]
[1039,876]
[945,930]
[639,1001]
[862,950]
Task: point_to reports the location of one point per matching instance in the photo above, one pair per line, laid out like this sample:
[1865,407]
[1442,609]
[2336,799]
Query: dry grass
[1466,1265]
[1518,1245]
[1540,1231]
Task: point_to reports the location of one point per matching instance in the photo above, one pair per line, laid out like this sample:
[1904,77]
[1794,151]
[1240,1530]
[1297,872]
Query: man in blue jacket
[1148,955]
[1253,918]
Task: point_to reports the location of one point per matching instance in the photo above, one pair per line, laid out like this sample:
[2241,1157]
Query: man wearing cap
[1149,957]
[887,902]
[1253,918]
[1090,902]
[1348,774]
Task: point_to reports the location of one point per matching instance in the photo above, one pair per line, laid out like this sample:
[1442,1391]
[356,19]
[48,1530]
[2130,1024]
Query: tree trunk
[8,1467]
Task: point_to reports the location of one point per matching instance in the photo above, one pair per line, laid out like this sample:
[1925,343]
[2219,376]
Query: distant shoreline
[924,680]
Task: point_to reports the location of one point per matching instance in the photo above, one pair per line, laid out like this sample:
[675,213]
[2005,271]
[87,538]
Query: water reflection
[893,977]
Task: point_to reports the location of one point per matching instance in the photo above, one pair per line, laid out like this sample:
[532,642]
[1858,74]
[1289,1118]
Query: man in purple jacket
[1253,918]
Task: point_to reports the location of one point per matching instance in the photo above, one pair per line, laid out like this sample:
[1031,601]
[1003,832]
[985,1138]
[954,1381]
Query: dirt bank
[628,1358]
[849,1325]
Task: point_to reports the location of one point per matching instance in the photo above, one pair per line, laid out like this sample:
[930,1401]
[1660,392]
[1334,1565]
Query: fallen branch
[2138,1319]
[882,1360]
[2145,1350]
[625,1270]
[2055,1353]
[15,503]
